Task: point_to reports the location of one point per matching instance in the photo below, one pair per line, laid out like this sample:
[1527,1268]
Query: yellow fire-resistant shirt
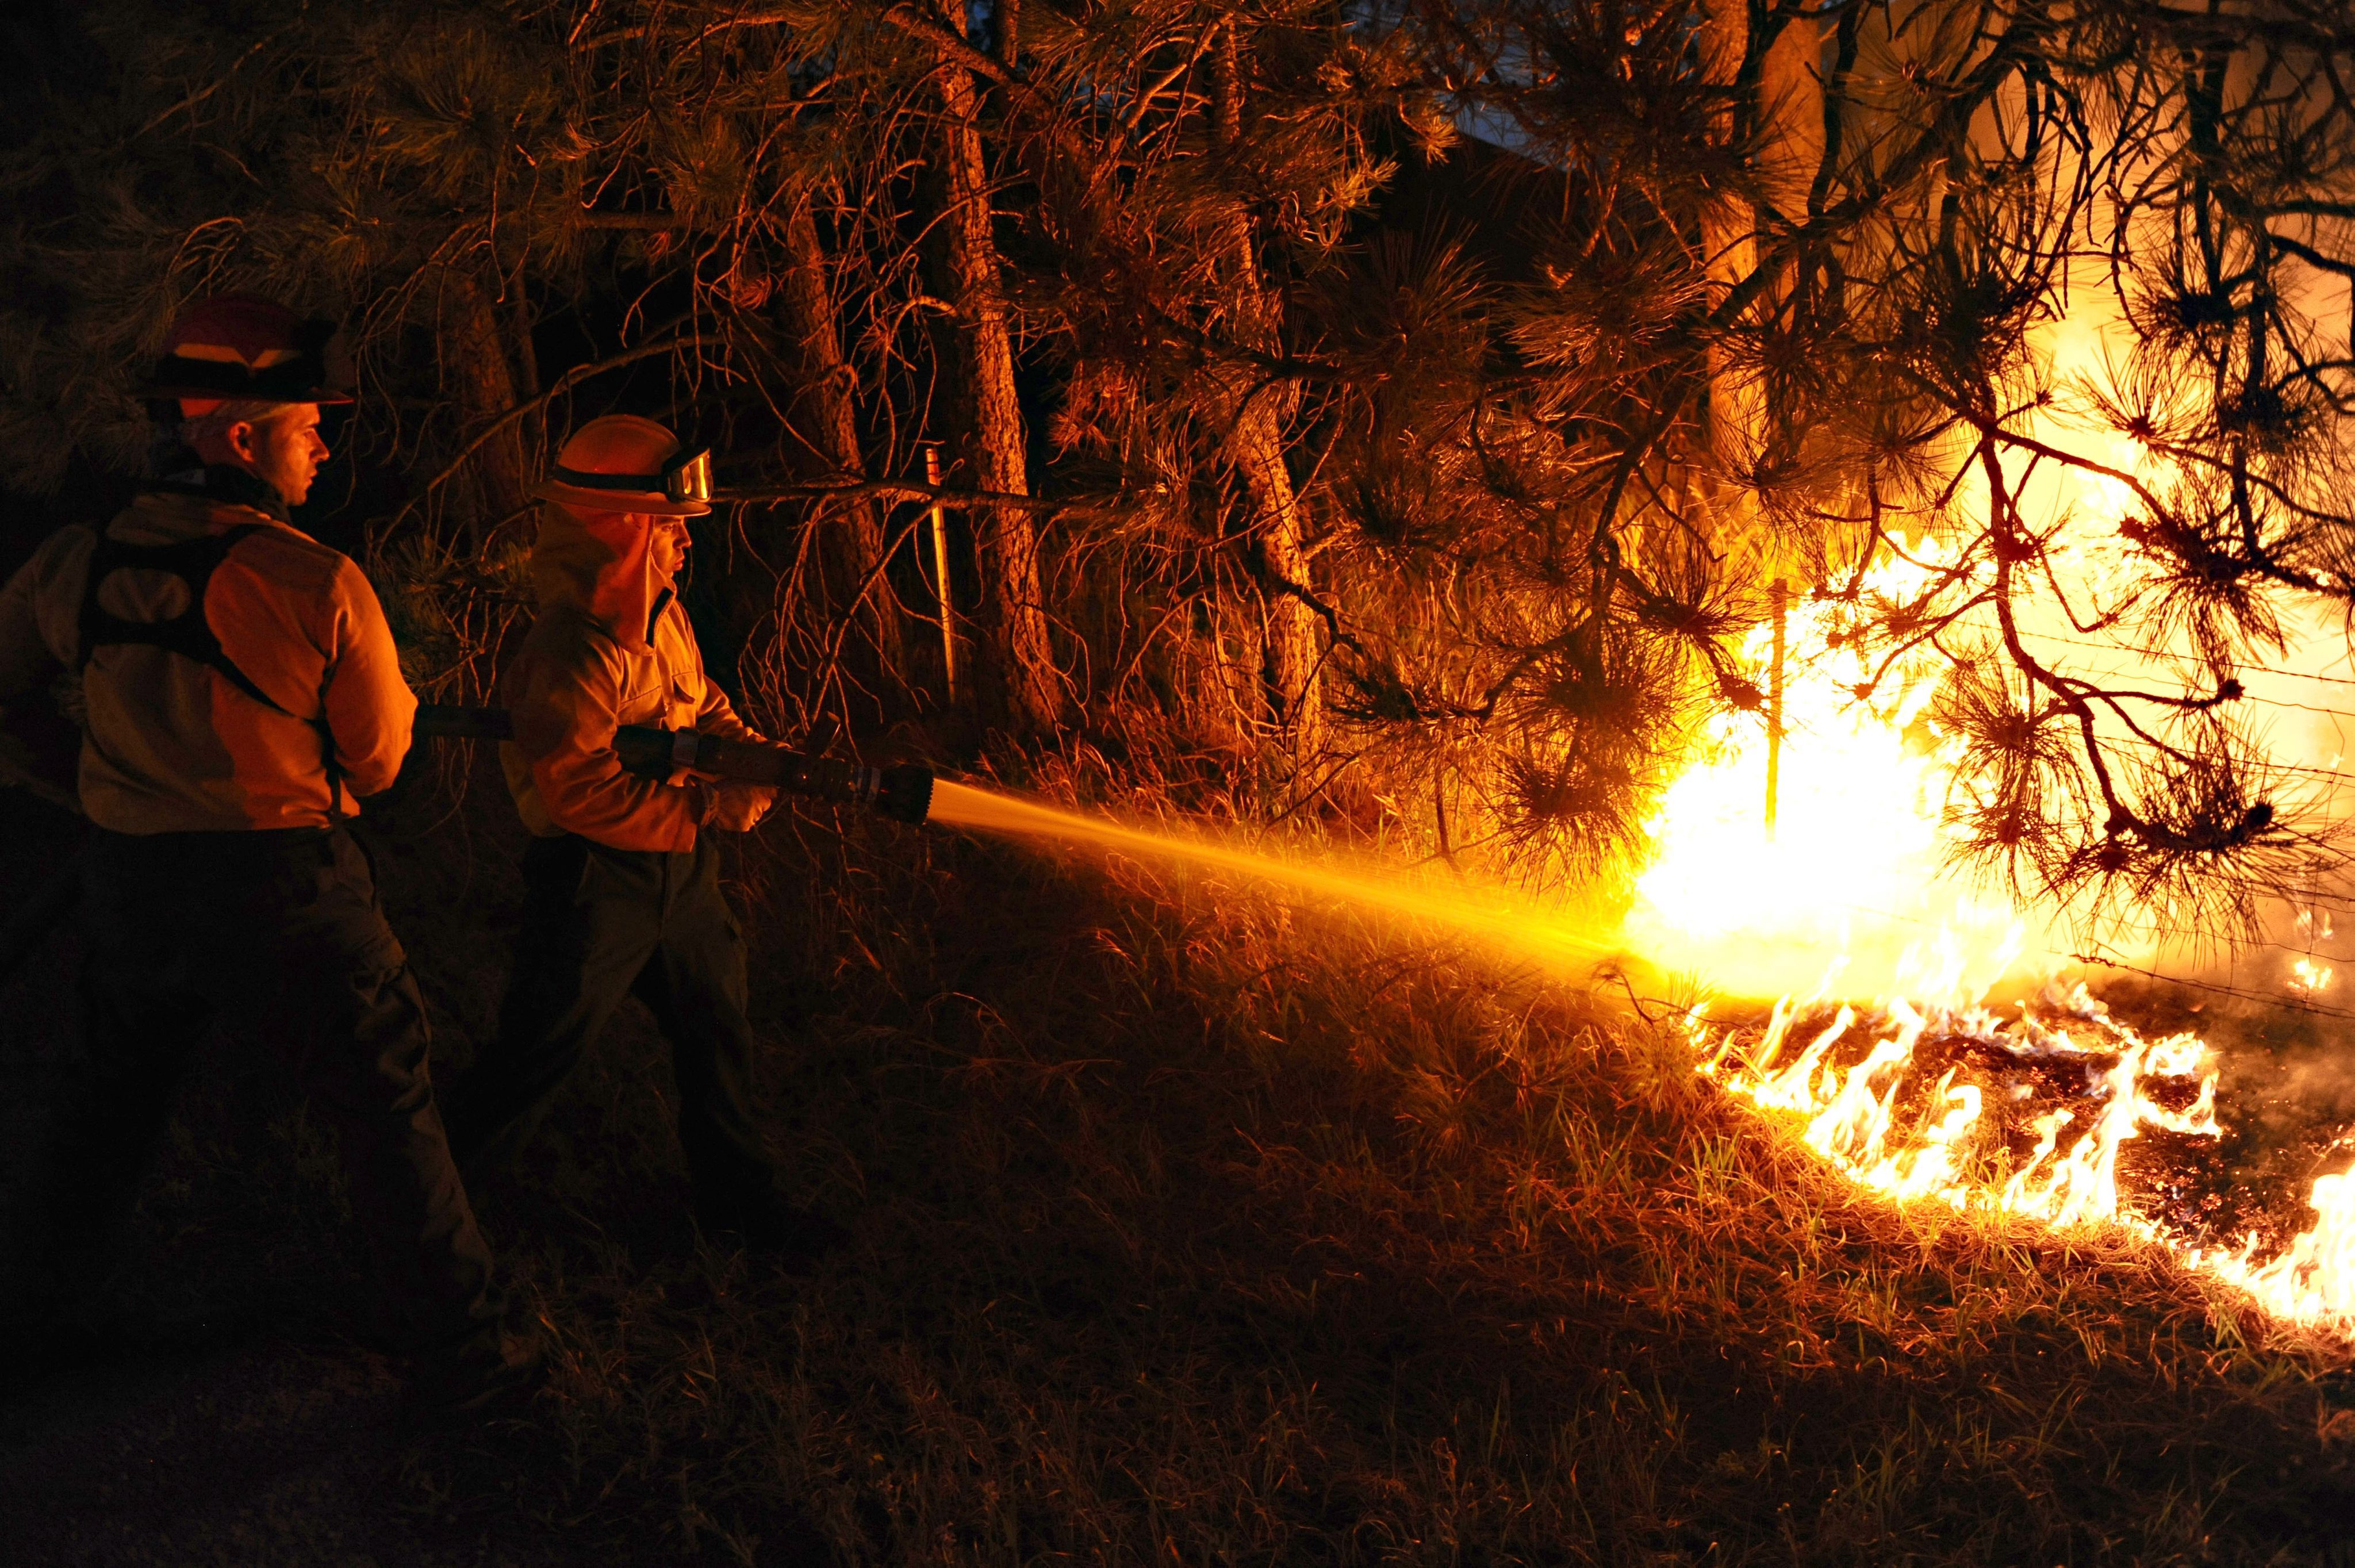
[610,647]
[172,745]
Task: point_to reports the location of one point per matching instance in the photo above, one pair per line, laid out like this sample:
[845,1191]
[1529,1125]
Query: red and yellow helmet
[244,349]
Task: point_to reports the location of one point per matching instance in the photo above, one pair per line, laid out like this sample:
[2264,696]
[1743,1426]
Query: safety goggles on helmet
[688,479]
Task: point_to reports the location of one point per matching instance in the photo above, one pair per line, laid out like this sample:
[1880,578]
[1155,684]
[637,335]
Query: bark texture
[1255,442]
[849,544]
[479,381]
[1006,538]
[1785,103]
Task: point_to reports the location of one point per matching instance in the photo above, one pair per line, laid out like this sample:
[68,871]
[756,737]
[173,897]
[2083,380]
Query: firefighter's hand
[735,807]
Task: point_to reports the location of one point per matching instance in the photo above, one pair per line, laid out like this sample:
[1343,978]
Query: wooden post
[1780,593]
[941,571]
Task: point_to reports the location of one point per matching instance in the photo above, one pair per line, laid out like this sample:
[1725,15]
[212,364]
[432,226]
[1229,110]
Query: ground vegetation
[1188,1224]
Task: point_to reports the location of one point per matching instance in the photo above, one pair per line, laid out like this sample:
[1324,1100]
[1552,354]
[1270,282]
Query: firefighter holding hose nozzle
[622,875]
[242,689]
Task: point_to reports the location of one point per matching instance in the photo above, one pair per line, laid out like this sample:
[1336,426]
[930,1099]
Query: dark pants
[599,924]
[279,935]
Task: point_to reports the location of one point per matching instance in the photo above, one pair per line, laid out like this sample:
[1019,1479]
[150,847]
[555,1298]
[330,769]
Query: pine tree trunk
[1256,445]
[480,381]
[1230,674]
[1791,107]
[1729,227]
[850,542]
[1007,539]
[1292,650]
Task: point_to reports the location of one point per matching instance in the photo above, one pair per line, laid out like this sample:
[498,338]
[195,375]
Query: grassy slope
[1189,1229]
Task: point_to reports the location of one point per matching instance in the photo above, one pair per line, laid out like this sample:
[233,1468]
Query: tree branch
[563,385]
[899,490]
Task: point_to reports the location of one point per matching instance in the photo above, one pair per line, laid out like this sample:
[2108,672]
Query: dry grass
[1190,1228]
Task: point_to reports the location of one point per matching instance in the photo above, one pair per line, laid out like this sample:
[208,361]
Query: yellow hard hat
[623,462]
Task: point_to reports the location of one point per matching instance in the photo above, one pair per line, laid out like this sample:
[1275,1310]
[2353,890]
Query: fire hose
[903,793]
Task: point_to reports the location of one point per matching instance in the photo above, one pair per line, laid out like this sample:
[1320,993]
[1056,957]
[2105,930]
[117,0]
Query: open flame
[1937,1096]
[1927,1092]
[1856,866]
[2073,1086]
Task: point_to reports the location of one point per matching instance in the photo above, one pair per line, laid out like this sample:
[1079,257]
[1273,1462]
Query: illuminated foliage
[1342,396]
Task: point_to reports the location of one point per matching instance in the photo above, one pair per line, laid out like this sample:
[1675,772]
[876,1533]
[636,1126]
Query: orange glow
[1855,869]
[1489,913]
[2026,1116]
[1926,1092]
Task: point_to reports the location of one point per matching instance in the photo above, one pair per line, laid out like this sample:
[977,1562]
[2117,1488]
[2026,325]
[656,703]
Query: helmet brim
[644,503]
[160,391]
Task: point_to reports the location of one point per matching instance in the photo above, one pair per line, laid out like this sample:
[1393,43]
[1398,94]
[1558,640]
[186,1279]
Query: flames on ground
[2034,1112]
[2048,1107]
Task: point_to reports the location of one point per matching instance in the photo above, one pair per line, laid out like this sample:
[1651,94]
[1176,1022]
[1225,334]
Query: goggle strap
[689,479]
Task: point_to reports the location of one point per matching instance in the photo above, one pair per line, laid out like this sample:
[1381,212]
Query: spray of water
[1492,914]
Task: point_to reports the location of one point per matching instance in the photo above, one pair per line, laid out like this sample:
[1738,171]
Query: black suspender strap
[186,634]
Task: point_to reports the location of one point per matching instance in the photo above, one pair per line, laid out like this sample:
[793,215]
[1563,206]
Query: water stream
[1489,913]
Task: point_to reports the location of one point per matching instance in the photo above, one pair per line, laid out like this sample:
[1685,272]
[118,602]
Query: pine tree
[1880,345]
[1404,473]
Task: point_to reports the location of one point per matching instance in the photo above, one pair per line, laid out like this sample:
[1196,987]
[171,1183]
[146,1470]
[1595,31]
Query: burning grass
[1190,1227]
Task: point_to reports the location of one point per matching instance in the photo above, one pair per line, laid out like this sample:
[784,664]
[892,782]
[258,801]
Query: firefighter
[241,692]
[622,874]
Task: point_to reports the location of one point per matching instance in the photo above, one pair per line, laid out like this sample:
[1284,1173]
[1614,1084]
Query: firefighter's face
[284,449]
[669,547]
